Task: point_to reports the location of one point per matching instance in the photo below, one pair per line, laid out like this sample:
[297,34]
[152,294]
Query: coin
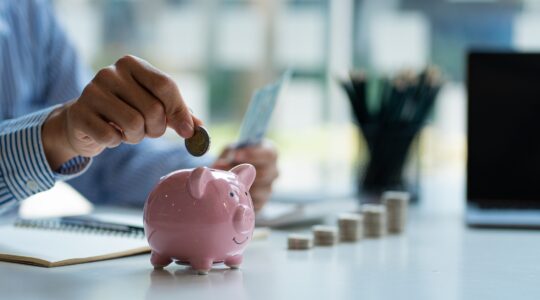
[199,143]
[325,235]
[350,227]
[374,220]
[300,241]
[396,207]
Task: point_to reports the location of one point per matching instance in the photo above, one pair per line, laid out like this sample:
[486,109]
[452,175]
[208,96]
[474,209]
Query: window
[219,52]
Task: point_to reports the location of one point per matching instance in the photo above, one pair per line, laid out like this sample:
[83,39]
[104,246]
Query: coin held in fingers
[199,143]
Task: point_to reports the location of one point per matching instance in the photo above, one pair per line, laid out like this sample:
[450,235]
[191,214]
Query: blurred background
[219,52]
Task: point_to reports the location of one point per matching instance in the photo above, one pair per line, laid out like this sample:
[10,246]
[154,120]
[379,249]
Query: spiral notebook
[75,240]
[51,243]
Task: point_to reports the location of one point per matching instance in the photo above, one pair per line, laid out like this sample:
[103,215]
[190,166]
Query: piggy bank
[200,217]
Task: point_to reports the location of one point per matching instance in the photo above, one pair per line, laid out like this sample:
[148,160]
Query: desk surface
[438,258]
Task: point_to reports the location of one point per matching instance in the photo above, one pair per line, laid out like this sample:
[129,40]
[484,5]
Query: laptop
[503,163]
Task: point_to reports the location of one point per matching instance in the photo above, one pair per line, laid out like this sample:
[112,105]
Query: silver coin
[199,143]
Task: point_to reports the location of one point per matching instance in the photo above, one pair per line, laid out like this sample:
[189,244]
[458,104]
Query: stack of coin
[374,220]
[300,241]
[325,235]
[350,227]
[396,206]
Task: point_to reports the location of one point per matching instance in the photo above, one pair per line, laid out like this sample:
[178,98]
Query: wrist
[55,141]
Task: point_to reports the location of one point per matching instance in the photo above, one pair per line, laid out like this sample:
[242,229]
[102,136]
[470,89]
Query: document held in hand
[259,112]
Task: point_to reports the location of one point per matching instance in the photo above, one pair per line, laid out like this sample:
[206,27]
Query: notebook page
[55,246]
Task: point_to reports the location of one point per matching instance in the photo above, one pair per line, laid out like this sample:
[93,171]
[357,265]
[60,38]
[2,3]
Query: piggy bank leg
[159,261]
[234,262]
[201,266]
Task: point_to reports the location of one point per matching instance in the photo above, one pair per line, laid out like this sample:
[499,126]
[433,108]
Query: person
[56,123]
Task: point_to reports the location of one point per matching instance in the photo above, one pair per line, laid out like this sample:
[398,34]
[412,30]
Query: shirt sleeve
[24,169]
[64,75]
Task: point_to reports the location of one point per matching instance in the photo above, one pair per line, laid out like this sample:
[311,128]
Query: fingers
[262,157]
[163,88]
[96,129]
[129,123]
[264,161]
[152,110]
[126,102]
[266,174]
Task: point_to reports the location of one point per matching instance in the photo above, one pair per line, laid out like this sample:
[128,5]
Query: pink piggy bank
[200,217]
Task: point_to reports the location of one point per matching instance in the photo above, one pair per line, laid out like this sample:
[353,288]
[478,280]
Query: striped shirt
[39,70]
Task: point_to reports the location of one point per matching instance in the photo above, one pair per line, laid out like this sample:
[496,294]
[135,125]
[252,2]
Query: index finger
[165,90]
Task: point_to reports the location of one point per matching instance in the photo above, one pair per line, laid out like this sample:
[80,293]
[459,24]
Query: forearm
[54,137]
[24,169]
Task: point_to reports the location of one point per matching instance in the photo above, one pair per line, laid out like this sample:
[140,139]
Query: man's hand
[125,102]
[264,158]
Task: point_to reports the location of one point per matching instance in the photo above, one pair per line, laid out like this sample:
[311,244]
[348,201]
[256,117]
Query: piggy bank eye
[246,193]
[231,194]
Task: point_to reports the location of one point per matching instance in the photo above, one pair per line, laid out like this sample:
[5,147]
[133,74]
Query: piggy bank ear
[246,174]
[198,180]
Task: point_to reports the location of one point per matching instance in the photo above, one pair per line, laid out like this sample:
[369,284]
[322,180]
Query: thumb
[182,121]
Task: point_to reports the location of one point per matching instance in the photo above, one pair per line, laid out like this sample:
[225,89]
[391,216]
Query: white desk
[437,259]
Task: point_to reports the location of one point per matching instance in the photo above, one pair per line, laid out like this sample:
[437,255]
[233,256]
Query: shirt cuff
[22,158]
[73,168]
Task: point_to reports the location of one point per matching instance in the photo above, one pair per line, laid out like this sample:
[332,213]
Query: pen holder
[390,113]
[388,150]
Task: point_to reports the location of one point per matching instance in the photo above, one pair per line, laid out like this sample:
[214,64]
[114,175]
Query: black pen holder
[390,113]
[388,150]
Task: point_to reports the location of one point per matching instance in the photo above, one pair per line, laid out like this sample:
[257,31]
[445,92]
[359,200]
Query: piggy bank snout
[243,219]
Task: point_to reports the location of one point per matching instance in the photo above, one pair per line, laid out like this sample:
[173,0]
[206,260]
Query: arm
[120,175]
[123,104]
[126,174]
[24,169]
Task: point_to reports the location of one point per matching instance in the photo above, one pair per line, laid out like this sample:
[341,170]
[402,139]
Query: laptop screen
[503,164]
